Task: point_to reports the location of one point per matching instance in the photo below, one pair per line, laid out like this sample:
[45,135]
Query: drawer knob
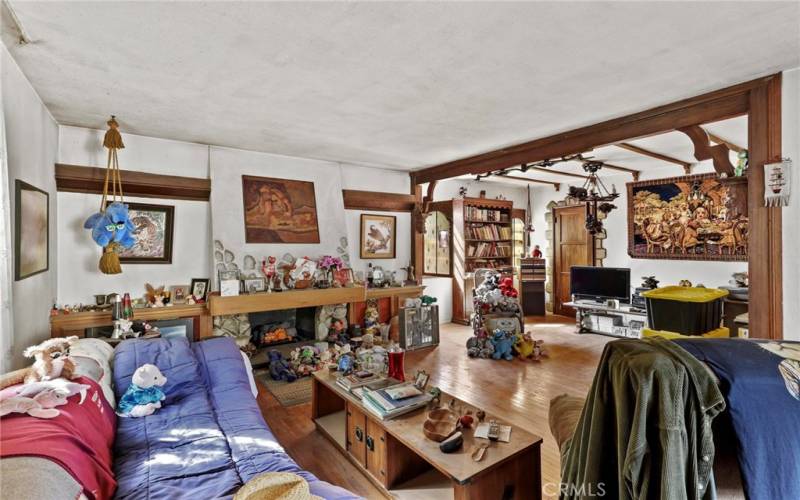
[359,434]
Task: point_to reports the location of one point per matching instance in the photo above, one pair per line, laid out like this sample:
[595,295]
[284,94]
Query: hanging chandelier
[595,195]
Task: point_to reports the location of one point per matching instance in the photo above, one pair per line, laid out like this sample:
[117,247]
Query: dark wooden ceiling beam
[372,200]
[687,167]
[718,105]
[553,171]
[556,185]
[719,140]
[80,179]
[635,173]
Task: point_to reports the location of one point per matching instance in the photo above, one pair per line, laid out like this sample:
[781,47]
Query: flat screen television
[600,283]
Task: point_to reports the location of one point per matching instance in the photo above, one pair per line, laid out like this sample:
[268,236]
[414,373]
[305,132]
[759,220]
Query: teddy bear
[144,396]
[279,369]
[502,342]
[42,405]
[51,360]
[113,224]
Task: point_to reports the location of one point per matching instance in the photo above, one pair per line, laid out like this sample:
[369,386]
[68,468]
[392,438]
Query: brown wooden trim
[556,185]
[552,170]
[703,150]
[687,167]
[634,173]
[719,140]
[382,202]
[765,264]
[717,105]
[81,179]
[417,237]
[518,213]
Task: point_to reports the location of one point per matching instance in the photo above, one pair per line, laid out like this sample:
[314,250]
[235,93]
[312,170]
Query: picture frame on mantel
[31,230]
[155,227]
[378,238]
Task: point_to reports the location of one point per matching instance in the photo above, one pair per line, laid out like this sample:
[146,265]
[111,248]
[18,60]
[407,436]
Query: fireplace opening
[273,328]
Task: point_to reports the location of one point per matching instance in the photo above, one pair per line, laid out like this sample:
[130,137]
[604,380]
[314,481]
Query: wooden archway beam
[731,145]
[428,199]
[556,185]
[703,150]
[553,171]
[687,167]
[634,173]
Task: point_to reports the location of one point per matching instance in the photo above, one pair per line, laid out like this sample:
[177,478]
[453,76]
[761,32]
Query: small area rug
[287,393]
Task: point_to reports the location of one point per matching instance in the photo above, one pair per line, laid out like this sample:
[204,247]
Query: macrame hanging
[111,227]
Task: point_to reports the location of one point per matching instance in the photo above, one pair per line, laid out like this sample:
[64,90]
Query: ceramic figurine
[372,319]
[537,252]
[268,270]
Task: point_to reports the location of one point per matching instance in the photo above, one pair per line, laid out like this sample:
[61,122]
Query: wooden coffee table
[396,456]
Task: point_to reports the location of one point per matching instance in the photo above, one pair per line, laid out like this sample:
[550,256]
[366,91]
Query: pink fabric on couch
[80,439]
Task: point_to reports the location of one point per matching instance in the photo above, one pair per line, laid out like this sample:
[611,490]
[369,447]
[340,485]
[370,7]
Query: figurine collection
[498,322]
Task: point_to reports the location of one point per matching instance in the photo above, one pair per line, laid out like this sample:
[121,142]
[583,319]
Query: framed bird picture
[378,239]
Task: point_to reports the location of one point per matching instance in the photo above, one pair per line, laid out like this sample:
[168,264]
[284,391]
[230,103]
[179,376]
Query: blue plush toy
[112,225]
[279,369]
[502,343]
[144,396]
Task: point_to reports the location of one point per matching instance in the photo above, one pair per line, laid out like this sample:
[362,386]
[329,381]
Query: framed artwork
[179,293]
[252,285]
[695,217]
[199,288]
[279,210]
[378,236]
[343,276]
[153,234]
[31,231]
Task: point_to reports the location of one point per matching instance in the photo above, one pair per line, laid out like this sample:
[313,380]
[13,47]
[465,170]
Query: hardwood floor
[520,391]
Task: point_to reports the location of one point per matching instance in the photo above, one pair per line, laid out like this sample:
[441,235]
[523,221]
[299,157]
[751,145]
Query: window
[438,244]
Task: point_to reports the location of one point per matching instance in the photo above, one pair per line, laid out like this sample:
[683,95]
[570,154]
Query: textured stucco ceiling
[400,85]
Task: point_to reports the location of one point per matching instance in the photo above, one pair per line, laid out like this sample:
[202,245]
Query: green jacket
[645,431]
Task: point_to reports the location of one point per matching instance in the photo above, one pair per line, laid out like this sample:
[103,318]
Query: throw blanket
[208,438]
[761,383]
[645,431]
[79,440]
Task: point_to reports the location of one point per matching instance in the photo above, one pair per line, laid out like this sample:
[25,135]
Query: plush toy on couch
[51,360]
[42,405]
[144,395]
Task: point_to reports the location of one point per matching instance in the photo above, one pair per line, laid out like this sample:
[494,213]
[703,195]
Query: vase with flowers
[328,264]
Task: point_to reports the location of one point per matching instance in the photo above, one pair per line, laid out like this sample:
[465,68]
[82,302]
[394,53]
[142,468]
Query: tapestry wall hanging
[696,217]
[31,221]
[279,211]
[153,230]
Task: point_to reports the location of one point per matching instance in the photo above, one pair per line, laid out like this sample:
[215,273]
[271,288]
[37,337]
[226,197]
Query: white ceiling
[399,85]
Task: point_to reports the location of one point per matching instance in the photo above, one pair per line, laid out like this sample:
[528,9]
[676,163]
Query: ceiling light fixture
[595,195]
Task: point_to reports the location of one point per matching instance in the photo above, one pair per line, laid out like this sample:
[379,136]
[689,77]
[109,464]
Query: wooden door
[376,451]
[356,434]
[572,246]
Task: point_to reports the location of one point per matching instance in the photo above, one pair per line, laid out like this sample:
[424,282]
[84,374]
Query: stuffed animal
[502,342]
[112,225]
[527,348]
[346,363]
[61,385]
[279,369]
[51,360]
[507,288]
[144,396]
[480,347]
[40,406]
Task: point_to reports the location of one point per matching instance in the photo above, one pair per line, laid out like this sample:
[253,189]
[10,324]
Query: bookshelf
[483,236]
[532,276]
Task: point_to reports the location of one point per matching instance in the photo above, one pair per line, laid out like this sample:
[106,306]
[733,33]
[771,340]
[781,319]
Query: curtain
[6,238]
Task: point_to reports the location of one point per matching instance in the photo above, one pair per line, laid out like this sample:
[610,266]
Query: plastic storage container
[684,310]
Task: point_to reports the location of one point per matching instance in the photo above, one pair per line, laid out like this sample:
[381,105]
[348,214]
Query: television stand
[621,322]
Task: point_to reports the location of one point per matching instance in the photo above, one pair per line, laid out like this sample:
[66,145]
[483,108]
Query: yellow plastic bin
[720,333]
[684,310]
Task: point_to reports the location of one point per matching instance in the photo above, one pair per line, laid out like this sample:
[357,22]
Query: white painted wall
[791,214]
[79,278]
[709,273]
[32,144]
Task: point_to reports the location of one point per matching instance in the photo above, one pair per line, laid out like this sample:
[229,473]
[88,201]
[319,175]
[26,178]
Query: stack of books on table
[394,401]
[358,379]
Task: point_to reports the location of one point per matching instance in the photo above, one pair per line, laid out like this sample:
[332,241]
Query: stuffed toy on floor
[144,396]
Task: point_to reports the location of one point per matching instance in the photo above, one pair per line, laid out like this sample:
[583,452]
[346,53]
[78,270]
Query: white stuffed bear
[144,395]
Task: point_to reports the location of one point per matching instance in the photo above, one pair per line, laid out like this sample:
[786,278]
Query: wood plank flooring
[520,391]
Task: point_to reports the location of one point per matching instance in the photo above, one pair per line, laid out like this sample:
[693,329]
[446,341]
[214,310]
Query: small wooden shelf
[291,299]
[431,485]
[486,241]
[476,221]
[334,426]
[489,258]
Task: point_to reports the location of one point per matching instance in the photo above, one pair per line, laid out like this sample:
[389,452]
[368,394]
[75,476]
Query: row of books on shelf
[500,265]
[474,213]
[488,232]
[489,250]
[384,397]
